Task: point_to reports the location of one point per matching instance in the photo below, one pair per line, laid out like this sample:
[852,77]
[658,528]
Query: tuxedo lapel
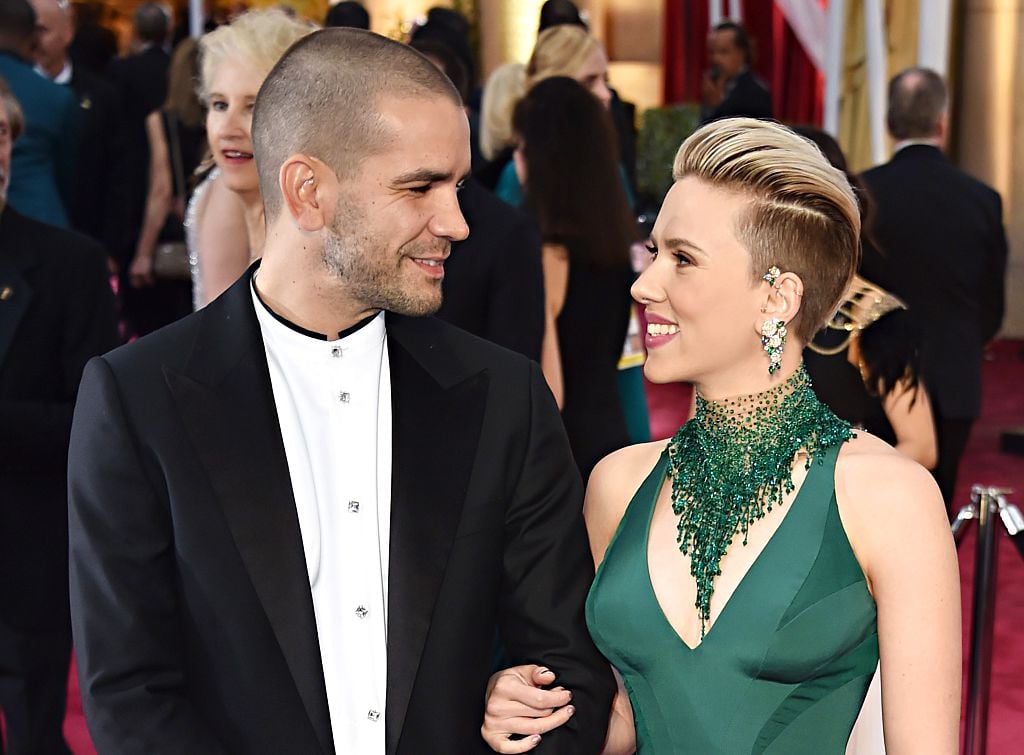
[227,406]
[15,291]
[438,410]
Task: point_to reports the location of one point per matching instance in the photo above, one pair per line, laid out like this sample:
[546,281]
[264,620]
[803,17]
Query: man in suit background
[730,89]
[300,514]
[43,160]
[942,249]
[493,281]
[97,205]
[56,312]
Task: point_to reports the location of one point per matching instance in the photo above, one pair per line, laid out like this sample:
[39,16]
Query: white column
[196,21]
[834,64]
[933,22]
[877,60]
[736,11]
[714,13]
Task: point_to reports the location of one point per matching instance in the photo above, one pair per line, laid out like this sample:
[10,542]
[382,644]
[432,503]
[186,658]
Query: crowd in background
[144,161]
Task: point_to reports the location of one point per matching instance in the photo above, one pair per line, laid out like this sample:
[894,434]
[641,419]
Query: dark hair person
[567,163]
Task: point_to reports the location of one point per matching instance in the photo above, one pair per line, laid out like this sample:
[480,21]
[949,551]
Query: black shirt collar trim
[298,328]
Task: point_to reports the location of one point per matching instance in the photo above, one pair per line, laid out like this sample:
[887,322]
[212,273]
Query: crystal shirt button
[373,715]
[362,611]
[353,507]
[344,397]
[335,351]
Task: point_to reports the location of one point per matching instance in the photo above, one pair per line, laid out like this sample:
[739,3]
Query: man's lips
[432,266]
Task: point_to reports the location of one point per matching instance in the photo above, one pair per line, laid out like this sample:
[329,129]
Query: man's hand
[518,704]
[712,90]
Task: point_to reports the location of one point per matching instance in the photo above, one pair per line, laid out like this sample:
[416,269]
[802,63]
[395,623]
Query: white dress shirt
[333,401]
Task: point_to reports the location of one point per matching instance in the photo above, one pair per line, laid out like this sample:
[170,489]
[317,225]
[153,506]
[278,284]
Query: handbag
[170,258]
[171,262]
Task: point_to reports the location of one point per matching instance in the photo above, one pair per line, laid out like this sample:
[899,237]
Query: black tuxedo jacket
[99,202]
[942,249]
[493,280]
[191,604]
[56,312]
[746,96]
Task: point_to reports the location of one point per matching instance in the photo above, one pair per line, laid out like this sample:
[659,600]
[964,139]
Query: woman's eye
[681,259]
[652,250]
[219,105]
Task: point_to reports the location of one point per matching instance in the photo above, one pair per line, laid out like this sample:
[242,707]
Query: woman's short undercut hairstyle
[323,98]
[258,38]
[560,51]
[802,216]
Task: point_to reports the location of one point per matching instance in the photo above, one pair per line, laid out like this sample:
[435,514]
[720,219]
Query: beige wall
[630,29]
[990,139]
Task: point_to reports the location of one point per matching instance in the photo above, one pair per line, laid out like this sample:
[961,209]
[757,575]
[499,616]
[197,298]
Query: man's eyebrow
[423,175]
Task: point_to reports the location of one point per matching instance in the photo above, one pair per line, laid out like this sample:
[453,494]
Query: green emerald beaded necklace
[732,463]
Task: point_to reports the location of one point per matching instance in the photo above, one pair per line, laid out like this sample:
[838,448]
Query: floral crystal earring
[773,330]
[773,341]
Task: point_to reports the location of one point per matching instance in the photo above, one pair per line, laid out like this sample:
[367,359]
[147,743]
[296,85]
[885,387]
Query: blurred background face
[5,150]
[594,76]
[229,123]
[54,33]
[724,54]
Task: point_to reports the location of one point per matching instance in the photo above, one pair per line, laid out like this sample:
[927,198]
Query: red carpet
[1002,406]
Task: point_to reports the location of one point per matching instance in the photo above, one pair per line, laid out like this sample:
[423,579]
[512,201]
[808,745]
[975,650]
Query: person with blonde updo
[224,223]
[561,51]
[505,87]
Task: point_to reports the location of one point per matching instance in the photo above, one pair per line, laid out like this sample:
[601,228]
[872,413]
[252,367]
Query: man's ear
[942,129]
[308,188]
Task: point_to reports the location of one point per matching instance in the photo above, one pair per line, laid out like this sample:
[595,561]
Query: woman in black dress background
[567,163]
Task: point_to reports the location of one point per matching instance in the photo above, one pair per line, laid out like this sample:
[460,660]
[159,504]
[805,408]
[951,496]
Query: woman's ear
[782,298]
[306,186]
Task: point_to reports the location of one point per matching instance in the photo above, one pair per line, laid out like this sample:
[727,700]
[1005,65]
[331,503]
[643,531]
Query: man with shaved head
[302,515]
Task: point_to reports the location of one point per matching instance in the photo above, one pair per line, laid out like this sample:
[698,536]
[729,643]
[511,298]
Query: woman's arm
[556,283]
[621,739]
[158,202]
[896,522]
[222,240]
[909,411]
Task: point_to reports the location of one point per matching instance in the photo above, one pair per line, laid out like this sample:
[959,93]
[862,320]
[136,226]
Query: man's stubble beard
[360,263]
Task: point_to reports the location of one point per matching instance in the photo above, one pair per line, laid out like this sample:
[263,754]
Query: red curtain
[780,60]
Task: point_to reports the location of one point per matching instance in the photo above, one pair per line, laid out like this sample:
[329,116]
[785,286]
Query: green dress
[784,668]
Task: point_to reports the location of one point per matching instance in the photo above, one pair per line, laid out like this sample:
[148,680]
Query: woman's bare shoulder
[886,501]
[869,472]
[616,478]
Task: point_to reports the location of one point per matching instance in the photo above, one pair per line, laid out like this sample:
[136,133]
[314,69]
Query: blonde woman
[225,224]
[561,51]
[505,87]
[754,569]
